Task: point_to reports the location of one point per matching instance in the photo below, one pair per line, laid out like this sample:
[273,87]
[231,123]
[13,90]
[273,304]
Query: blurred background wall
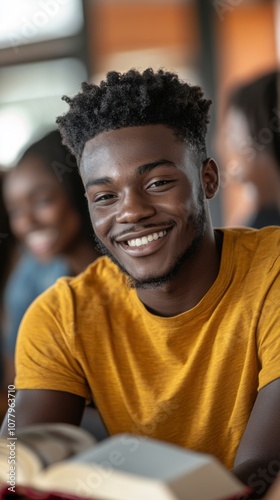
[47,47]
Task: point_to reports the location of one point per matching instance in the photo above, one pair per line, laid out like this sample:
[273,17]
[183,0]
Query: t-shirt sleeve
[47,353]
[268,335]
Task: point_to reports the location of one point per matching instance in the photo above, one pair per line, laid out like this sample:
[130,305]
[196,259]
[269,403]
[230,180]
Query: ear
[210,178]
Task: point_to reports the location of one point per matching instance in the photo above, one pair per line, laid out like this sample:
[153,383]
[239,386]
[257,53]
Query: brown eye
[104,197]
[160,183]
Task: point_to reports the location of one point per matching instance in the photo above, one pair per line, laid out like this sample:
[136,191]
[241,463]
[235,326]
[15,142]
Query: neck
[80,255]
[191,284]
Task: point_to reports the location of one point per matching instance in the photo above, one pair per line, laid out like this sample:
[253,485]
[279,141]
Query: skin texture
[153,185]
[142,180]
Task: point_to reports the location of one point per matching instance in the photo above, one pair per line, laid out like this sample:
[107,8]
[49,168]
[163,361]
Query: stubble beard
[198,224]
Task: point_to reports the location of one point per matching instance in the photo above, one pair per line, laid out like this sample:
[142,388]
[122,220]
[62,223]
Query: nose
[134,207]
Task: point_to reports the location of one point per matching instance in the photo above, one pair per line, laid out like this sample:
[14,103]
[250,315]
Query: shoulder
[100,278]
[22,277]
[102,272]
[29,267]
[262,242]
[253,254]
[73,303]
[34,276]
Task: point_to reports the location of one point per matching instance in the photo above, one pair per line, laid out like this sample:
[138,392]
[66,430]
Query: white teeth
[42,236]
[138,242]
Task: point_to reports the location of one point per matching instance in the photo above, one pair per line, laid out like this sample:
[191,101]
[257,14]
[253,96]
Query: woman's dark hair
[134,99]
[57,158]
[259,101]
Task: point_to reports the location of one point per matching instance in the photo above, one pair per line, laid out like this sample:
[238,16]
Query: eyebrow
[142,169]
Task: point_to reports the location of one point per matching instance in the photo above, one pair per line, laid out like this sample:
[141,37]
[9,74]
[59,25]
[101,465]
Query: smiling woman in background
[48,214]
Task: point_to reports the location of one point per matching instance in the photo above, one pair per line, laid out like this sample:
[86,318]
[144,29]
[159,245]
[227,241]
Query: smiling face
[39,209]
[146,200]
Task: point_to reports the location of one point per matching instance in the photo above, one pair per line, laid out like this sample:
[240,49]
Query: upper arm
[38,406]
[49,353]
[274,493]
[257,458]
[261,439]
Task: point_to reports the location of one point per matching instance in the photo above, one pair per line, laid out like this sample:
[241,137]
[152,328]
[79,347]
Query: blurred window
[32,21]
[43,56]
[30,100]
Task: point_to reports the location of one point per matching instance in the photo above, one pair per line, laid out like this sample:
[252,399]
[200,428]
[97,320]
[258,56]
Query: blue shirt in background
[28,279]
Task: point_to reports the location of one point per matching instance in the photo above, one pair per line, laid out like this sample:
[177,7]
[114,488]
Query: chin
[45,258]
[152,281]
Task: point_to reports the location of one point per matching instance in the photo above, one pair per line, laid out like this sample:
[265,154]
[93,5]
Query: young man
[176,334]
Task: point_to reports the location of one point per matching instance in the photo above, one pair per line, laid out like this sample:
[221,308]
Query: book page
[55,442]
[142,456]
[125,467]
[39,446]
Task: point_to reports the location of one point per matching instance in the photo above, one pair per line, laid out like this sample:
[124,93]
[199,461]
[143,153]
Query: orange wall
[245,40]
[123,26]
[245,43]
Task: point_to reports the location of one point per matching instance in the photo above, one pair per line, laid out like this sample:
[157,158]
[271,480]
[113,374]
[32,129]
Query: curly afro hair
[134,99]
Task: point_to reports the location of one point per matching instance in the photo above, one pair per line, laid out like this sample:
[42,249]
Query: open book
[66,459]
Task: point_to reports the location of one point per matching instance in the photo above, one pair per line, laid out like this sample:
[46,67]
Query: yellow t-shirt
[191,379]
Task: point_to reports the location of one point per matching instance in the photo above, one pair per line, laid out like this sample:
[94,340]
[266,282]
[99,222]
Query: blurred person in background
[7,242]
[45,201]
[8,252]
[250,149]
